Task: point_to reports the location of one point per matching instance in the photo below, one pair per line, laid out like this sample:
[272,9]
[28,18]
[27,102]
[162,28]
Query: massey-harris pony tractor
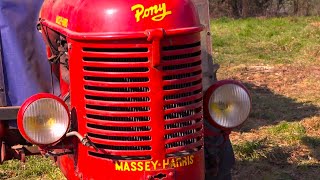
[138,96]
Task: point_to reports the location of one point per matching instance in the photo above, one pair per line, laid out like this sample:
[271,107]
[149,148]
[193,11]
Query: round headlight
[227,104]
[43,119]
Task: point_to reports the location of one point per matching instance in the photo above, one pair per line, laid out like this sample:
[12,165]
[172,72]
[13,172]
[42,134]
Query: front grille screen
[117,100]
[112,87]
[184,114]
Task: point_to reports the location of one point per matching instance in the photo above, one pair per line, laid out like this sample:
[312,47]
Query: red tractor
[138,93]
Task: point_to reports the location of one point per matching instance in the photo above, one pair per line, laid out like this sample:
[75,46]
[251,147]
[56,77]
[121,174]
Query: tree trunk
[295,7]
[308,8]
[245,8]
[235,9]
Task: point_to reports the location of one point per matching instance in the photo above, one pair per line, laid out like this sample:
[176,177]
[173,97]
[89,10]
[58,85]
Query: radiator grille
[114,50]
[97,88]
[183,99]
[88,59]
[120,99]
[128,109]
[113,128]
[119,118]
[113,119]
[119,138]
[107,156]
[99,69]
[117,97]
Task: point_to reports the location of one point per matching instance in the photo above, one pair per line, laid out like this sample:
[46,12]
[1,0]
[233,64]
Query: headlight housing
[227,104]
[43,119]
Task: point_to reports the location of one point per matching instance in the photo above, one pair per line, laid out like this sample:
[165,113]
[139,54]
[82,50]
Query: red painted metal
[135,87]
[207,99]
[26,104]
[115,19]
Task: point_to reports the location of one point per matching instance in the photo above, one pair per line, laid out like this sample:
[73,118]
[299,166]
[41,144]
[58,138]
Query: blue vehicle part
[23,51]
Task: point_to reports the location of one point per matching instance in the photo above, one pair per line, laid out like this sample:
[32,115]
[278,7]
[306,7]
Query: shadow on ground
[314,145]
[275,161]
[277,164]
[269,108]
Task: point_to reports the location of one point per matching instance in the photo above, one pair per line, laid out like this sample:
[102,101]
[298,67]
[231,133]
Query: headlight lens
[44,120]
[228,104]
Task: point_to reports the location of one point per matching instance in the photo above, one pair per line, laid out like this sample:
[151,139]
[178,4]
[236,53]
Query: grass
[265,41]
[250,150]
[36,167]
[288,132]
[278,59]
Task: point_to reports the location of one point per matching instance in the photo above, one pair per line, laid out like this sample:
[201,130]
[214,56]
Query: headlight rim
[207,97]
[25,106]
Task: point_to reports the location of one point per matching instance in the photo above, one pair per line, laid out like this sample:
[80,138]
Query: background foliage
[267,8]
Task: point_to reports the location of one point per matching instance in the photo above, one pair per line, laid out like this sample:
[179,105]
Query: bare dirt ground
[280,140]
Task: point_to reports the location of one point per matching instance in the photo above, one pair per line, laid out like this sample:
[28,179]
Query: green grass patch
[249,150]
[36,167]
[267,41]
[291,132]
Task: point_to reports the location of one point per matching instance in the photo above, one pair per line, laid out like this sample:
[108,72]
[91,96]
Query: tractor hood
[119,16]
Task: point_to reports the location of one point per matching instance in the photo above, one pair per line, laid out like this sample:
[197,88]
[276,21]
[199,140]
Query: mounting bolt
[208,33]
[80,175]
[171,174]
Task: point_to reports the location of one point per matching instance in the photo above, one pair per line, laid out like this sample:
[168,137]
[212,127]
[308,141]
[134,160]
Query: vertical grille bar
[117,101]
[182,78]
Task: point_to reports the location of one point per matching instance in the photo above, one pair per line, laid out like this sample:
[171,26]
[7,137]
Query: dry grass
[281,139]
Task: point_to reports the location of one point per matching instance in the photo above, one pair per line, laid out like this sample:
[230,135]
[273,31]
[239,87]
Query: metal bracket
[9,113]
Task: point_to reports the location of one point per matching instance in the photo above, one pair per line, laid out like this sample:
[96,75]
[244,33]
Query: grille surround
[133,110]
